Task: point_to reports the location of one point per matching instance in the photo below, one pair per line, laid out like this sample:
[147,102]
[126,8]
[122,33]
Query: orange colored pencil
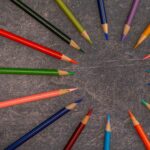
[144,36]
[140,131]
[35,97]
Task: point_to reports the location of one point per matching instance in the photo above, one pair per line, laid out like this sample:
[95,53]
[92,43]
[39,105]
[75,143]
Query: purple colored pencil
[130,17]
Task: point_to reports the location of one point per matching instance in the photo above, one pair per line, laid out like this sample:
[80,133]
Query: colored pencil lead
[107,140]
[129,20]
[46,23]
[146,57]
[82,51]
[73,19]
[143,36]
[78,131]
[146,104]
[35,97]
[106,36]
[140,131]
[43,125]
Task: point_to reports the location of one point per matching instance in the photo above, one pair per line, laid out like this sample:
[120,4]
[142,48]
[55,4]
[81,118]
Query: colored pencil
[143,36]
[78,131]
[43,125]
[140,131]
[103,17]
[36,46]
[148,84]
[73,19]
[146,57]
[146,104]
[107,140]
[129,19]
[47,24]
[35,97]
[33,71]
[147,71]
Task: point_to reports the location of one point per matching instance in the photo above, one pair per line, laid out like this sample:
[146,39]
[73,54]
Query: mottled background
[110,75]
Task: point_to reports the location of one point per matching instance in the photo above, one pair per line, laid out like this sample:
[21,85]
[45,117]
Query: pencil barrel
[43,21]
[29,71]
[70,15]
[37,129]
[132,12]
[102,11]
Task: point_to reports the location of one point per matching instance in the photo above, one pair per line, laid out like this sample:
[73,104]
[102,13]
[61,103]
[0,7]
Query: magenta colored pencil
[130,17]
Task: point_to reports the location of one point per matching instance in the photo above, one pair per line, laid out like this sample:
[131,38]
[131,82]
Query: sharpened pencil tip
[130,113]
[78,101]
[71,73]
[123,37]
[143,102]
[108,117]
[74,62]
[73,89]
[90,111]
[106,36]
[146,57]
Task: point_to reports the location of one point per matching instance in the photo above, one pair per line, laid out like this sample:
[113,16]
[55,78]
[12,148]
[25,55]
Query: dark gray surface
[110,76]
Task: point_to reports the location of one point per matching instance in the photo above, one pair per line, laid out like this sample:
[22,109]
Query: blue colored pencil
[43,125]
[148,84]
[107,140]
[103,17]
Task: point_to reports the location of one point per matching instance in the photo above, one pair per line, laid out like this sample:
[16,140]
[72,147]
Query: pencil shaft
[102,11]
[70,15]
[78,131]
[35,46]
[43,125]
[43,21]
[107,140]
[132,12]
[29,71]
[32,98]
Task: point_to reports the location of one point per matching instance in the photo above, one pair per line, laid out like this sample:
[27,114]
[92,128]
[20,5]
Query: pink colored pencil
[35,97]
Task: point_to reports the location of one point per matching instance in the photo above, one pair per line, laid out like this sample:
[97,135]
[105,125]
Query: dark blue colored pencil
[43,125]
[148,84]
[103,17]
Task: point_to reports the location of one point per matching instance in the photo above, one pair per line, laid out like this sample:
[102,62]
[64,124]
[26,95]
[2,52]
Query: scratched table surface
[110,76]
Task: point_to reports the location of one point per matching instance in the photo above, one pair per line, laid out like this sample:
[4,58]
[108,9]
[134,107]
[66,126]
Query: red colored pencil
[78,131]
[140,131]
[36,46]
[146,57]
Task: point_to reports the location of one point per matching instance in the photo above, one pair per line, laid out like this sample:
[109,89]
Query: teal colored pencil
[146,104]
[107,139]
[147,71]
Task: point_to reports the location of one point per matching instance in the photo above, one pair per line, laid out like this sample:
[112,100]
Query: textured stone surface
[110,76]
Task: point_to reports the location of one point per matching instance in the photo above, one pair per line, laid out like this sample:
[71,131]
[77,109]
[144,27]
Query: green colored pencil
[146,104]
[31,71]
[73,19]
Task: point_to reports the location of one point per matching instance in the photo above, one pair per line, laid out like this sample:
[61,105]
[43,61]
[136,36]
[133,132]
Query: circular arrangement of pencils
[36,97]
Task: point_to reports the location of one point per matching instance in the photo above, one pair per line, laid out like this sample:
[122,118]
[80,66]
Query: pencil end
[79,101]
[73,62]
[71,73]
[82,50]
[123,37]
[106,36]
[146,57]
[90,111]
[108,118]
[73,89]
[86,36]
